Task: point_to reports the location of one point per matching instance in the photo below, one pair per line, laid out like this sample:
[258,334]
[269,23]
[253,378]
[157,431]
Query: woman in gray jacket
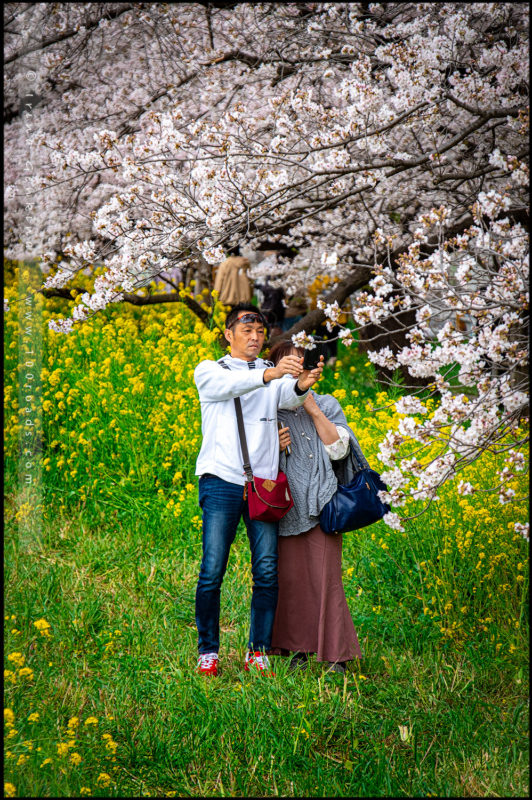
[312,614]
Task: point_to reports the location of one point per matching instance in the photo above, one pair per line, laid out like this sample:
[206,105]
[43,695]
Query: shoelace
[207,660]
[261,661]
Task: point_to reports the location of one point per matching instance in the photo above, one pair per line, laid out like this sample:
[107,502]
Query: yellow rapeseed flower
[16,658]
[9,717]
[26,672]
[103,779]
[91,721]
[9,790]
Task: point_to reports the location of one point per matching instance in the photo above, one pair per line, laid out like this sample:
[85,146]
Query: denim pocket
[204,483]
[201,490]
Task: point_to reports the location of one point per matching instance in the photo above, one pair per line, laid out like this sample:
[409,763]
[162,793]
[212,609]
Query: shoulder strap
[241,432]
[359,458]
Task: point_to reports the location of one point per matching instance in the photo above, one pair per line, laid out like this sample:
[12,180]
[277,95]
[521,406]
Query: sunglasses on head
[249,316]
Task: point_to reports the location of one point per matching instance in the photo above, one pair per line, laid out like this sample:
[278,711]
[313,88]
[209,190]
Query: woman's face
[291,352]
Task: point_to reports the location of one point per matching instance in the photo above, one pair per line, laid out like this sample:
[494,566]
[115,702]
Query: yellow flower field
[99,600]
[121,427]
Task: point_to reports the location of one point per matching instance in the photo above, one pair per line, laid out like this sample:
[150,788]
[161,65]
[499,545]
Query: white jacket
[220,452]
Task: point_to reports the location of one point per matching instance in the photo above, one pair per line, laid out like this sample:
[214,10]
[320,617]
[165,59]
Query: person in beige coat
[231,281]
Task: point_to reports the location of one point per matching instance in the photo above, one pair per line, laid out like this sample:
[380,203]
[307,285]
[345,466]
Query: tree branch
[139,300]
[488,113]
[66,34]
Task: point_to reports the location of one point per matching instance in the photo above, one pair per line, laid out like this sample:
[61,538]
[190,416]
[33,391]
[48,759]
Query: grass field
[101,563]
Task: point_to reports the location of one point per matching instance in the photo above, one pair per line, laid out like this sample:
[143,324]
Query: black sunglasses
[249,316]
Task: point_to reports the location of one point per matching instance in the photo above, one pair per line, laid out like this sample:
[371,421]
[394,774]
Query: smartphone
[312,357]
[287,449]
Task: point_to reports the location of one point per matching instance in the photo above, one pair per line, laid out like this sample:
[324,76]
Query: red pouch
[268,500]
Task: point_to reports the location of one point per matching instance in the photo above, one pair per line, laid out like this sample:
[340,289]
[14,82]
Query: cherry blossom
[384,146]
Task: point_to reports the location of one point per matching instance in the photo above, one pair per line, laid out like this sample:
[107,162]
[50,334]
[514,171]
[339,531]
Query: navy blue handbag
[355,504]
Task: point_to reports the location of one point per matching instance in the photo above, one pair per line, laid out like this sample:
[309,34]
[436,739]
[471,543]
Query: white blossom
[302,339]
[523,528]
[350,166]
[61,325]
[393,521]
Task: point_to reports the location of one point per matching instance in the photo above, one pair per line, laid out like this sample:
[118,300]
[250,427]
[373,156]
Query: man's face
[246,339]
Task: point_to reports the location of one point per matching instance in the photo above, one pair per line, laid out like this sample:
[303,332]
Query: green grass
[310,735]
[108,556]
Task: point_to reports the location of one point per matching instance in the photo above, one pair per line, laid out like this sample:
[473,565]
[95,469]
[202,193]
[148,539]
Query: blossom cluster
[392,140]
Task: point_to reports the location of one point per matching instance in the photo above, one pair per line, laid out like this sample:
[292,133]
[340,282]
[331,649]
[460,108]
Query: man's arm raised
[289,365]
[215,383]
[305,379]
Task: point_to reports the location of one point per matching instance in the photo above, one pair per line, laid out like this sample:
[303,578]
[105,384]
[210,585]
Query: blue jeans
[223,505]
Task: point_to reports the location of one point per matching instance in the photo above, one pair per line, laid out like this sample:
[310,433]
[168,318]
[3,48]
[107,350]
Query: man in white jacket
[262,389]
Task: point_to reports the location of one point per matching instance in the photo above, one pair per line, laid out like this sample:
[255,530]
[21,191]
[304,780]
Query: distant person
[263,389]
[295,310]
[272,306]
[232,282]
[312,614]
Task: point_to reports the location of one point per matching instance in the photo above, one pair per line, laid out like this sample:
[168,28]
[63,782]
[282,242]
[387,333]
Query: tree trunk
[343,290]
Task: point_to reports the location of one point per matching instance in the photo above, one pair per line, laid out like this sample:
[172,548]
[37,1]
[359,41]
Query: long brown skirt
[312,614]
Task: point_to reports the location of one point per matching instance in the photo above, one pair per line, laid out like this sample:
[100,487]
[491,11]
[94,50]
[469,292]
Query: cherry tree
[383,145]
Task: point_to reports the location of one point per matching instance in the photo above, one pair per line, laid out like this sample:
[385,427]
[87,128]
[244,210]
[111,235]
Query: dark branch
[139,300]
[66,34]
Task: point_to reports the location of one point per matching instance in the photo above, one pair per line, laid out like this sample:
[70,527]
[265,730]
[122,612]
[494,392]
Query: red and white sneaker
[207,664]
[258,662]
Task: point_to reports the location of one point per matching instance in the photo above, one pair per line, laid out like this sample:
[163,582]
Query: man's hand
[308,378]
[289,365]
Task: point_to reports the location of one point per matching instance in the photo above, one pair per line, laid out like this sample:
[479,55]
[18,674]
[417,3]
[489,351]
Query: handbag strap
[241,432]
[356,457]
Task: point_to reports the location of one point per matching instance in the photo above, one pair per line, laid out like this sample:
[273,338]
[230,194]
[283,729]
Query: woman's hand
[310,404]
[284,438]
[325,429]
